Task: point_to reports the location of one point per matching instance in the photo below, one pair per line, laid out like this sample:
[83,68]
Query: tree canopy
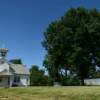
[73,44]
[16,61]
[38,77]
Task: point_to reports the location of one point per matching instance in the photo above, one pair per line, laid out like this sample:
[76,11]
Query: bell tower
[3,54]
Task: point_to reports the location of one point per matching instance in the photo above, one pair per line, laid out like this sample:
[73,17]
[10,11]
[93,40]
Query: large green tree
[73,43]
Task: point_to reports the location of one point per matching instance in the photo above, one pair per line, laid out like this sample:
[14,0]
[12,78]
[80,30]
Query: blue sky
[22,23]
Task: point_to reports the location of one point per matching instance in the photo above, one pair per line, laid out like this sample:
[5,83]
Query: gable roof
[19,69]
[6,72]
[4,69]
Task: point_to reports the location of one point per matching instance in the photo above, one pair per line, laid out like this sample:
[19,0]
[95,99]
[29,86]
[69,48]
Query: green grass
[51,93]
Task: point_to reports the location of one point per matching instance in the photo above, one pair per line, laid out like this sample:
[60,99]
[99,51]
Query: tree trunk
[82,81]
[57,79]
[66,72]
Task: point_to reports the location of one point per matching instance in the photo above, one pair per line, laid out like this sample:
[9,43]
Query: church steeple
[3,53]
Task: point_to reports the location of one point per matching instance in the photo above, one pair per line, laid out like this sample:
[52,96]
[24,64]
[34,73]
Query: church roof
[5,73]
[4,69]
[20,69]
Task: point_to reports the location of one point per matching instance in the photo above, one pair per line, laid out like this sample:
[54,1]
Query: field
[51,93]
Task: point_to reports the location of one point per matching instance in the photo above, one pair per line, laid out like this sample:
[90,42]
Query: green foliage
[38,78]
[16,61]
[96,74]
[73,43]
[71,81]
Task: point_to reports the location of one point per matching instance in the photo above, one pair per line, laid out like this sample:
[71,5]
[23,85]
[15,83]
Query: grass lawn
[51,93]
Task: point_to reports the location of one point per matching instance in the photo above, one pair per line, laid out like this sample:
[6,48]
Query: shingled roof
[19,69]
[5,73]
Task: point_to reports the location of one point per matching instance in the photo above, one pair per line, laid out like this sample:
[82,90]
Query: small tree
[16,61]
[38,77]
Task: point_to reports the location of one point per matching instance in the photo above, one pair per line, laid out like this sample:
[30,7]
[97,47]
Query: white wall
[4,81]
[11,80]
[24,80]
[4,66]
[92,81]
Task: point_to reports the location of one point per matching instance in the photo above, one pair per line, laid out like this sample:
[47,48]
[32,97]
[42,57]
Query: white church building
[12,74]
